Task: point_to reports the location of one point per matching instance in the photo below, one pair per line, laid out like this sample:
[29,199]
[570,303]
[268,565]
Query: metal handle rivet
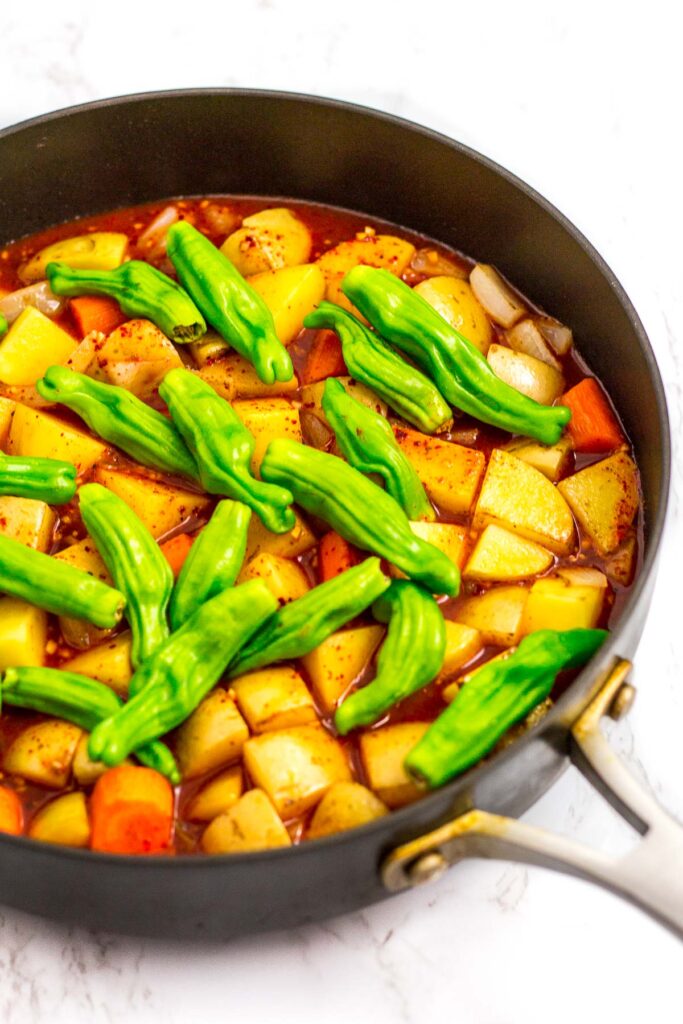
[623,701]
[427,868]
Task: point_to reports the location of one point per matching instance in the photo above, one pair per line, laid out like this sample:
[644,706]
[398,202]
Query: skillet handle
[649,876]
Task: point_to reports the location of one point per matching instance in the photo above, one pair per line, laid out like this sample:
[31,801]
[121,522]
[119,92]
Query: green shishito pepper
[367,442]
[120,418]
[214,561]
[372,362]
[136,563]
[300,626]
[410,657]
[359,510]
[26,476]
[80,700]
[228,302]
[458,368]
[140,290]
[56,586]
[223,447]
[4,326]
[494,698]
[179,674]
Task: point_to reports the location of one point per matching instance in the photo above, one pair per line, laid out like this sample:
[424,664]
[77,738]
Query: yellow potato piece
[86,772]
[29,521]
[217,796]
[288,545]
[38,433]
[450,692]
[447,537]
[455,301]
[43,753]
[267,419]
[64,821]
[497,614]
[23,633]
[7,407]
[251,824]
[135,356]
[604,499]
[290,294]
[462,644]
[233,376]
[268,240]
[372,250]
[296,766]
[551,460]
[98,250]
[557,603]
[274,698]
[85,556]
[383,752]
[450,472]
[212,736]
[520,498]
[500,555]
[160,506]
[109,662]
[526,374]
[621,564]
[345,805]
[337,662]
[284,578]
[32,343]
[312,395]
[210,348]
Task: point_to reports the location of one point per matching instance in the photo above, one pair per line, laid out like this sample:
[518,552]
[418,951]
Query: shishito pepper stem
[494,698]
[410,657]
[140,290]
[463,375]
[372,362]
[56,586]
[80,700]
[359,510]
[181,672]
[228,302]
[49,480]
[136,563]
[368,444]
[120,418]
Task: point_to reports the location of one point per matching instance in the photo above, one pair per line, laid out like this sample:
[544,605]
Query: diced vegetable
[345,805]
[594,426]
[558,603]
[455,301]
[132,811]
[39,295]
[386,251]
[497,614]
[287,545]
[520,498]
[497,298]
[500,555]
[296,766]
[312,394]
[86,772]
[284,578]
[64,821]
[268,240]
[208,349]
[252,824]
[43,753]
[234,377]
[383,752]
[23,633]
[108,662]
[176,550]
[447,537]
[217,796]
[335,555]
[621,564]
[136,356]
[434,264]
[583,575]
[35,433]
[604,499]
[338,661]
[7,407]
[96,313]
[551,460]
[449,472]
[462,644]
[556,334]
[290,294]
[98,250]
[84,555]
[213,736]
[11,812]
[29,521]
[526,374]
[161,507]
[325,359]
[266,419]
[274,698]
[32,343]
[526,337]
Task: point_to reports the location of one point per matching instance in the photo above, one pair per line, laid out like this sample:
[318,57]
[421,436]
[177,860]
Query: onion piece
[432,264]
[221,219]
[526,337]
[497,298]
[555,333]
[314,431]
[39,295]
[583,576]
[152,241]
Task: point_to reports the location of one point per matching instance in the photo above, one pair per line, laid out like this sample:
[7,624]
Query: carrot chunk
[176,551]
[96,313]
[335,556]
[11,812]
[593,427]
[131,811]
[325,359]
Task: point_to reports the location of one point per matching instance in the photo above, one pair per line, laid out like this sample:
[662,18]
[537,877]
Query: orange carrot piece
[325,359]
[593,427]
[11,812]
[131,811]
[335,556]
[96,313]
[176,551]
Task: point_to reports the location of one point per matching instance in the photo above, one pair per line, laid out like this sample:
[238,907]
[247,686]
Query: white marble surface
[583,101]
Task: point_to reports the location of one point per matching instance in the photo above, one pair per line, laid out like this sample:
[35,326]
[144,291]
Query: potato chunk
[345,805]
[136,356]
[212,736]
[234,377]
[621,564]
[455,301]
[290,294]
[274,698]
[604,499]
[64,821]
[7,407]
[85,556]
[217,796]
[86,772]
[497,614]
[462,644]
[551,460]
[450,472]
[43,753]
[312,394]
[526,374]
[160,506]
[268,240]
[38,433]
[23,633]
[108,662]
[284,578]
[296,766]
[268,418]
[251,824]
[97,250]
[500,555]
[29,521]
[557,603]
[338,661]
[32,343]
[386,251]
[383,752]
[287,545]
[447,537]
[518,497]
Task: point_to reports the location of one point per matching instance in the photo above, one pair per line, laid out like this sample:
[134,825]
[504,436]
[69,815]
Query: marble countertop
[582,101]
